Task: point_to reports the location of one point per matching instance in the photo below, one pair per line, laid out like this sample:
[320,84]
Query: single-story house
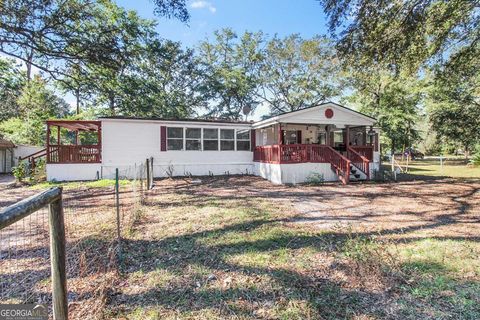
[327,140]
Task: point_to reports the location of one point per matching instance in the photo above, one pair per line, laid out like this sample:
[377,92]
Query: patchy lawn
[451,168]
[242,248]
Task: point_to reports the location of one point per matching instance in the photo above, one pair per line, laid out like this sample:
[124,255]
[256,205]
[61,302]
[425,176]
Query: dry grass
[237,249]
[91,250]
[241,248]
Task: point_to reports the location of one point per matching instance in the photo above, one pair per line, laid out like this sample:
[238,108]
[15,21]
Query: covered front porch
[74,141]
[331,134]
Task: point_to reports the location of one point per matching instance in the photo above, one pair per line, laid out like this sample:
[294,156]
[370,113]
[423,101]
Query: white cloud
[199,4]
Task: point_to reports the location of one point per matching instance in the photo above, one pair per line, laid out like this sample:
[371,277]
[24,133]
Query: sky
[282,17]
[272,17]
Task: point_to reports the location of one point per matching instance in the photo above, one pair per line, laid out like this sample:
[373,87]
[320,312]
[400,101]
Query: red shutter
[163,138]
[299,136]
[377,142]
[252,140]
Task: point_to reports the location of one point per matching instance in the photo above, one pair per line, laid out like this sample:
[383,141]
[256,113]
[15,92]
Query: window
[227,139]
[243,140]
[174,138]
[193,139]
[210,139]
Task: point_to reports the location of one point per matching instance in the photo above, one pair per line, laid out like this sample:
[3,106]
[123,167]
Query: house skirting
[276,173]
[73,171]
[164,170]
[294,173]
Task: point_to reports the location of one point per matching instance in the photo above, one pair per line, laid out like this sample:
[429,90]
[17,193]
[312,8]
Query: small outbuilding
[6,155]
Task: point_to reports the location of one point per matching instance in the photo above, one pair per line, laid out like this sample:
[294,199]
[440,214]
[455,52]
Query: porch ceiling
[76,125]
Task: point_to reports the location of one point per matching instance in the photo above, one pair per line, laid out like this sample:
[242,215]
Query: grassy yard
[103,183]
[225,250]
[451,168]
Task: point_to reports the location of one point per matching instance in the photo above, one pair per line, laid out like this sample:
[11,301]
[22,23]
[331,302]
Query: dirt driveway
[447,208]
[441,208]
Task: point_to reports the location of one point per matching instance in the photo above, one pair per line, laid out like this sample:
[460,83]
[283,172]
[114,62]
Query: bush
[475,159]
[20,172]
[24,173]
[315,178]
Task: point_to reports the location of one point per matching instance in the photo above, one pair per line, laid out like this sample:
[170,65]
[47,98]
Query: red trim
[252,140]
[163,138]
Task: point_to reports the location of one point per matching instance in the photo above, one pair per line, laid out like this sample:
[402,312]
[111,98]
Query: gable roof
[362,119]
[301,112]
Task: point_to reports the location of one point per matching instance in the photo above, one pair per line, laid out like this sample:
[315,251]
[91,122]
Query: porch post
[99,142]
[280,133]
[347,139]
[48,142]
[58,135]
[372,137]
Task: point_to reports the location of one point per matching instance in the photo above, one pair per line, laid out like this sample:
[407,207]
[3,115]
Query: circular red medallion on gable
[329,113]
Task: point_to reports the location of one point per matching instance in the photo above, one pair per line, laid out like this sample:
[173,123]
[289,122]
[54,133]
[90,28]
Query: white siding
[126,143]
[341,117]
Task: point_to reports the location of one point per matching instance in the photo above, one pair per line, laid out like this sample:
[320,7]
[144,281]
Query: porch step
[354,175]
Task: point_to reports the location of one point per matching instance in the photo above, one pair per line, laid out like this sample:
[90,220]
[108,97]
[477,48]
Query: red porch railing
[74,154]
[359,160]
[365,151]
[302,153]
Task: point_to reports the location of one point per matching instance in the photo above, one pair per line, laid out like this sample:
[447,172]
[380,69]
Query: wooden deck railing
[303,153]
[74,154]
[359,160]
[365,151]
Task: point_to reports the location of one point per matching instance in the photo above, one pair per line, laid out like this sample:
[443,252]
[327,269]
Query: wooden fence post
[148,174]
[57,258]
[151,173]
[117,208]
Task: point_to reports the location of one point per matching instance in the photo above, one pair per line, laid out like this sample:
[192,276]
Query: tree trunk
[111,103]
[77,100]
[29,65]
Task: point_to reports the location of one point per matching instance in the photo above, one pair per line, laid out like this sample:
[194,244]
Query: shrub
[475,159]
[315,178]
[20,172]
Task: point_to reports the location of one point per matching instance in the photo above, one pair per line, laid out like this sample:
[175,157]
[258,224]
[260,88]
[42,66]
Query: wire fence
[95,224]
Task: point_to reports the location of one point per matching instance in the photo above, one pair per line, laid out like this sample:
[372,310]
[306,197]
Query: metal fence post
[57,258]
